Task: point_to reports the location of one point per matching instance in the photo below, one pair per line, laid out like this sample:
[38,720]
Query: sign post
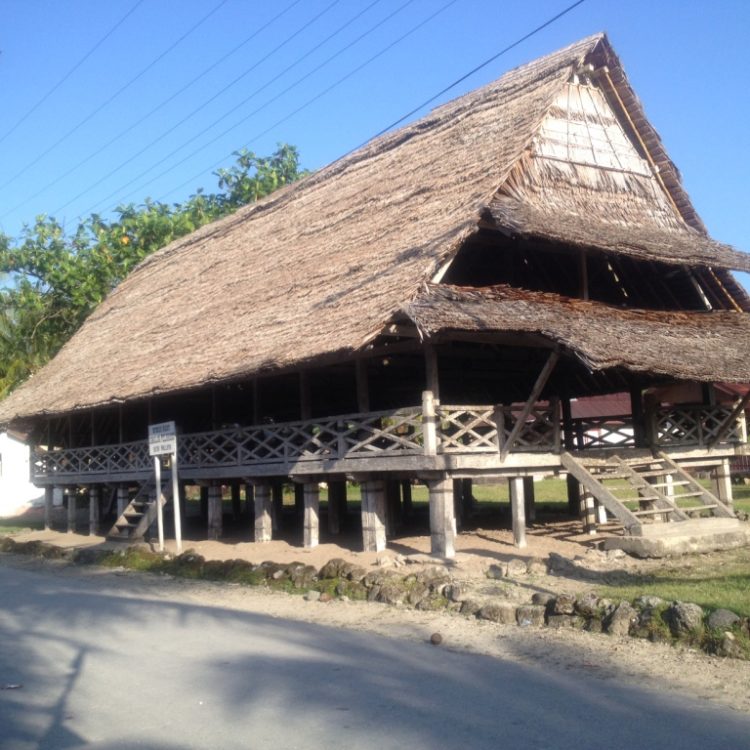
[162,440]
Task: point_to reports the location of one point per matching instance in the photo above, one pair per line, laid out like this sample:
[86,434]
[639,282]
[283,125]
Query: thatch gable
[317,269]
[703,346]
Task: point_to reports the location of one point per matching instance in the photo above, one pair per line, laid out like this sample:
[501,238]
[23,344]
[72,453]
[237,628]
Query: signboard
[162,438]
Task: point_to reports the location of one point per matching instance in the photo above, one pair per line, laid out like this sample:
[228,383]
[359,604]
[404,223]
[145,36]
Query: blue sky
[101,138]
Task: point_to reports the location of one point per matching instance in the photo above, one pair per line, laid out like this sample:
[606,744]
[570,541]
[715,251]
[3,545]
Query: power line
[113,96]
[474,70]
[159,106]
[46,96]
[180,122]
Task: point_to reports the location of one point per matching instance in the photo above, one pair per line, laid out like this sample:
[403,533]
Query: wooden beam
[518,511]
[432,380]
[263,512]
[442,519]
[312,515]
[536,391]
[726,425]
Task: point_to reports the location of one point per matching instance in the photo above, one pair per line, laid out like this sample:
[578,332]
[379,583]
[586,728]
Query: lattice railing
[97,460]
[604,432]
[693,425]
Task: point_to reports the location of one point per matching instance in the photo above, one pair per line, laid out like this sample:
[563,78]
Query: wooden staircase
[649,496]
[140,513]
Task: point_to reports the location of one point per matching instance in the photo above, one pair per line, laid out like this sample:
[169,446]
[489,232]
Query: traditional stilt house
[425,309]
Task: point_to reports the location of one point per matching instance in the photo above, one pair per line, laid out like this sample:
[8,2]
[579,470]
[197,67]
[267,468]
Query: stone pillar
[442,518]
[123,499]
[236,501]
[263,525]
[94,510]
[277,507]
[215,511]
[336,506]
[49,497]
[72,509]
[373,515]
[312,514]
[529,498]
[518,511]
[723,483]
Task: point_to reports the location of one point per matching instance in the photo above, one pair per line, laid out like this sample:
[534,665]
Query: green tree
[54,280]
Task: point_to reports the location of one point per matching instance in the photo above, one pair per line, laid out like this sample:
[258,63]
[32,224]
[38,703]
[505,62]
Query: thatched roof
[704,346]
[319,268]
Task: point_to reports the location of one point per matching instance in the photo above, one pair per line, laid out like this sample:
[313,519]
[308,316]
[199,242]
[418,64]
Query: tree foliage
[53,279]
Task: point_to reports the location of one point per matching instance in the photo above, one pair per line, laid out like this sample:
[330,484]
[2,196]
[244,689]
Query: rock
[729,647]
[648,602]
[333,569]
[517,568]
[302,576]
[470,607]
[722,619]
[542,598]
[565,621]
[536,567]
[435,578]
[594,625]
[651,624]
[325,597]
[504,613]
[563,604]
[497,571]
[685,619]
[432,603]
[392,592]
[353,572]
[436,639]
[560,565]
[454,592]
[530,614]
[588,605]
[620,620]
[615,554]
[312,596]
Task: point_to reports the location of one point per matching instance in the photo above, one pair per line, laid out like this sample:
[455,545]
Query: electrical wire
[117,93]
[46,96]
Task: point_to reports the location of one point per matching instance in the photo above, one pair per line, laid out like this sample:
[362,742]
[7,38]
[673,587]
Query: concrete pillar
[373,515]
[49,497]
[442,518]
[123,499]
[72,509]
[263,525]
[277,507]
[94,510]
[336,506]
[518,511]
[215,512]
[312,514]
[529,498]
[723,483]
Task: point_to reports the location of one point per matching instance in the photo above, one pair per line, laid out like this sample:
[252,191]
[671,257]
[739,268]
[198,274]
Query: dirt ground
[681,669]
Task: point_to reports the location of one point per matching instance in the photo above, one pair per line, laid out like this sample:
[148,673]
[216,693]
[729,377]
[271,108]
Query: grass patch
[16,524]
[720,580]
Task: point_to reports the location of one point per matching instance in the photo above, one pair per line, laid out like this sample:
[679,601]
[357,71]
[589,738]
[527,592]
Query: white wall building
[16,491]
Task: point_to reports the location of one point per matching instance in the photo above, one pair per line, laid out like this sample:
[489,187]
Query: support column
[588,508]
[529,497]
[518,511]
[236,501]
[277,507]
[204,502]
[393,507]
[215,512]
[263,526]
[122,499]
[723,482]
[249,499]
[442,518]
[458,503]
[407,500]
[312,514]
[336,506]
[299,500]
[94,510]
[49,498]
[373,515]
[72,509]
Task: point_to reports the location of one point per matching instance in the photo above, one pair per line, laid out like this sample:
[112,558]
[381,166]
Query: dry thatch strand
[319,268]
[704,346]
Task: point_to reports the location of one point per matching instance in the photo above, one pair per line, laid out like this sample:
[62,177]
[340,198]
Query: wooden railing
[431,430]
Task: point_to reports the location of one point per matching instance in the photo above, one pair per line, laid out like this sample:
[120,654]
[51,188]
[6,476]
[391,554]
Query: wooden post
[204,502]
[215,511]
[336,506]
[639,422]
[432,379]
[529,498]
[277,506]
[72,509]
[723,482]
[94,510]
[122,499]
[236,501]
[589,512]
[299,500]
[429,423]
[373,515]
[442,518]
[518,511]
[406,495]
[458,503]
[312,514]
[249,499]
[263,525]
[159,511]
[49,497]
[393,507]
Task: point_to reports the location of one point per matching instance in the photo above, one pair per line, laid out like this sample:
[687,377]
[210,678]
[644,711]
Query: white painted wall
[16,491]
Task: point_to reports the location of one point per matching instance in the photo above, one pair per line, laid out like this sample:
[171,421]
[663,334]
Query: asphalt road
[104,665]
